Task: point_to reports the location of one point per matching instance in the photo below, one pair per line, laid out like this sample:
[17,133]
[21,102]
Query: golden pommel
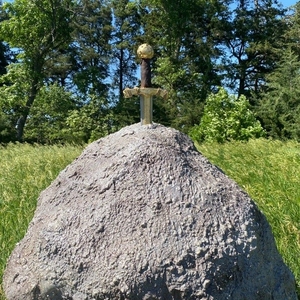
[145,51]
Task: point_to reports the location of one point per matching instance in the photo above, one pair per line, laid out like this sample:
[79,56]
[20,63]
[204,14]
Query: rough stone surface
[142,215]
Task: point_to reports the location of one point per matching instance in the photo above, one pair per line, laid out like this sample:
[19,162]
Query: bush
[226,118]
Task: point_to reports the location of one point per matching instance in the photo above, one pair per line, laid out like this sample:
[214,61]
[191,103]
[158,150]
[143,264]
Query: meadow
[268,170]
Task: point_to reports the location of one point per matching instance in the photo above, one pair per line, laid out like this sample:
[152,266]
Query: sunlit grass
[270,172]
[25,170]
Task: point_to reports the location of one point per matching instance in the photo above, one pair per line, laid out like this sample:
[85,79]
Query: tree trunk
[121,73]
[25,112]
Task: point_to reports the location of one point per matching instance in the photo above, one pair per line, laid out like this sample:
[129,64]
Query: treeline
[65,63]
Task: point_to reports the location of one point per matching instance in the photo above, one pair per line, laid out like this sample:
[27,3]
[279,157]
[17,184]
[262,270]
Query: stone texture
[142,215]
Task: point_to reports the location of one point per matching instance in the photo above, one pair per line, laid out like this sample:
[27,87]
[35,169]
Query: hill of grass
[268,170]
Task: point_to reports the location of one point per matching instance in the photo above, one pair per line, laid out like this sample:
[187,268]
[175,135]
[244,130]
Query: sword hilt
[145,52]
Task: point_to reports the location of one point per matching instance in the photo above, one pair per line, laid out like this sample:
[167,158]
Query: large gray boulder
[142,215]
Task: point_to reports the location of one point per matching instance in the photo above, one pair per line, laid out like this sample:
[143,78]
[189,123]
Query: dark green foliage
[291,36]
[279,107]
[37,28]
[4,49]
[126,30]
[89,122]
[7,131]
[251,36]
[48,114]
[89,49]
[183,36]
[278,103]
[3,58]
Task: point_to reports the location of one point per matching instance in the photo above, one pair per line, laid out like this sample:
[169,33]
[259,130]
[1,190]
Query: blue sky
[287,3]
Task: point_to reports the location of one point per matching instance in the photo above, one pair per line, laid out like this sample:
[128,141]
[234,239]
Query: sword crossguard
[128,93]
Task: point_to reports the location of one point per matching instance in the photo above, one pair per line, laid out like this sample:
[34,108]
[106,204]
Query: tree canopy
[37,29]
[65,63]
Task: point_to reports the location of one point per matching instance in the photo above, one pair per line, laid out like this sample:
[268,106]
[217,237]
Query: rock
[142,215]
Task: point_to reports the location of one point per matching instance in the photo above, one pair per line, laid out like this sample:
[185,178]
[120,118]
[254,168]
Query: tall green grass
[270,172]
[25,170]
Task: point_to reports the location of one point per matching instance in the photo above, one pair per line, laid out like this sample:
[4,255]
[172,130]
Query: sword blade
[146,106]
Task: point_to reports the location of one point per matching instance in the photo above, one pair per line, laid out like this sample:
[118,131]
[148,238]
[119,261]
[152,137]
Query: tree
[226,118]
[90,54]
[89,50]
[250,38]
[3,49]
[7,132]
[183,34]
[6,55]
[47,120]
[125,36]
[37,28]
[90,122]
[279,105]
[291,35]
[3,58]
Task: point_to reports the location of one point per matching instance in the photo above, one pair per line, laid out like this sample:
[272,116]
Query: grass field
[268,170]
